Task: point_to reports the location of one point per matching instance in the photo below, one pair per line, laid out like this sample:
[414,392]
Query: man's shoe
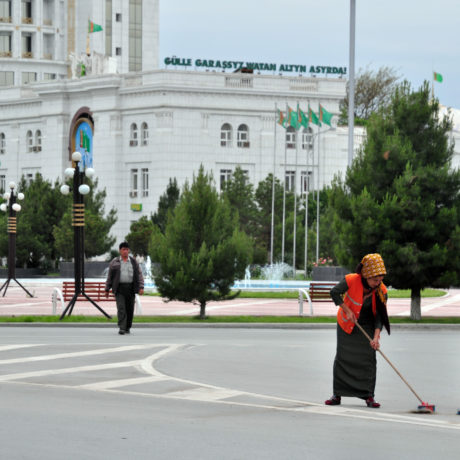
[127,331]
[371,402]
[333,401]
[121,332]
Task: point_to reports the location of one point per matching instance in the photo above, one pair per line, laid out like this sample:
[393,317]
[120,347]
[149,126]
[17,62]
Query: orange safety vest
[353,298]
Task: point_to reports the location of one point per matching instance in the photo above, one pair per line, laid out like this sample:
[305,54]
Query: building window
[5,11]
[305,181]
[134,183]
[6,78]
[133,135]
[290,137]
[49,76]
[38,141]
[26,11]
[225,175]
[145,181]
[5,44]
[29,141]
[118,17]
[226,135]
[307,139]
[2,143]
[26,45]
[144,133]
[135,35]
[108,27]
[29,177]
[118,51]
[243,136]
[28,77]
[2,183]
[290,181]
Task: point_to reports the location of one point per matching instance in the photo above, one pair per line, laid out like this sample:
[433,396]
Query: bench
[319,291]
[94,289]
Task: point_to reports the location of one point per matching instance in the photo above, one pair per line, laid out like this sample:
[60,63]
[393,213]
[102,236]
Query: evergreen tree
[166,203]
[42,208]
[401,197]
[202,251]
[140,235]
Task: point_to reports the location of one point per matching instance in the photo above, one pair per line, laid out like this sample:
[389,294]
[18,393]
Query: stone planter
[329,273]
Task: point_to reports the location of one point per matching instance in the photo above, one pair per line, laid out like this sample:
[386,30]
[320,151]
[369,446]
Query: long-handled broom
[424,407]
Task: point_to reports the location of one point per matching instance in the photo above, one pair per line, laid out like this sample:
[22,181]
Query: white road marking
[109,384]
[205,394]
[76,354]
[15,347]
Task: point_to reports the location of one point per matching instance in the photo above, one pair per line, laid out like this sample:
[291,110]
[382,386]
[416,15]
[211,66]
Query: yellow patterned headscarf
[372,266]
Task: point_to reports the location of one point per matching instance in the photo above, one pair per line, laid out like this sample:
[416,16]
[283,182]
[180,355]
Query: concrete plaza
[16,302]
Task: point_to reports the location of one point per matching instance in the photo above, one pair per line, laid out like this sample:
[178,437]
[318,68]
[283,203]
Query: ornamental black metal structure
[78,223]
[13,208]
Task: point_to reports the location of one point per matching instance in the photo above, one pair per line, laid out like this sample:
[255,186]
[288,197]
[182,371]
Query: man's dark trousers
[125,305]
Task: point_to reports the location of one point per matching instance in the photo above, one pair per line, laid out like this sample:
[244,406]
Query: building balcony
[27,21]
[47,56]
[5,54]
[5,19]
[47,22]
[27,55]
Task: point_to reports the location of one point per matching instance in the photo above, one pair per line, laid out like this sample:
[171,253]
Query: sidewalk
[16,302]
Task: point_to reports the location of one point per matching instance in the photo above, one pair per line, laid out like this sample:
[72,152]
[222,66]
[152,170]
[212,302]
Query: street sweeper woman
[362,299]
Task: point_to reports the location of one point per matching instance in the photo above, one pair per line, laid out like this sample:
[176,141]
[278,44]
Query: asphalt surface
[205,393]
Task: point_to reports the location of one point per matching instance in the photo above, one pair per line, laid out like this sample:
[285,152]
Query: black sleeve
[338,291]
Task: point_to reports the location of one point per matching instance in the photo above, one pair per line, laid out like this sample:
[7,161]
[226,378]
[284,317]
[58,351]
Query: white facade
[179,116]
[37,38]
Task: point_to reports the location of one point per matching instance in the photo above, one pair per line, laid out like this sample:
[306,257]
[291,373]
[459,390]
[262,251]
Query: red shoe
[371,402]
[333,401]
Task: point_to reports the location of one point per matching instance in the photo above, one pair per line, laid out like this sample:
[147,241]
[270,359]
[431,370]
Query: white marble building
[150,124]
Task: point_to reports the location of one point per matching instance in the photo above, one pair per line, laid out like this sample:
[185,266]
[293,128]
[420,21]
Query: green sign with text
[259,66]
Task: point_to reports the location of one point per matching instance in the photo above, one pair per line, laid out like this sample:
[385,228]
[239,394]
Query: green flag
[312,117]
[324,115]
[92,27]
[437,77]
[292,118]
[302,118]
[281,119]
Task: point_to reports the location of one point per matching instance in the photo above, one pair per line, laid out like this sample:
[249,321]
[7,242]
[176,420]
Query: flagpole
[294,236]
[351,84]
[272,232]
[317,191]
[284,195]
[307,185]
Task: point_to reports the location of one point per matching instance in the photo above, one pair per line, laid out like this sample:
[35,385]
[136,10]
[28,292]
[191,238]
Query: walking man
[126,280]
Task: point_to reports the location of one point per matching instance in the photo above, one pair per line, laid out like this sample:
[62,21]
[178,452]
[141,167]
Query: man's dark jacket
[113,276]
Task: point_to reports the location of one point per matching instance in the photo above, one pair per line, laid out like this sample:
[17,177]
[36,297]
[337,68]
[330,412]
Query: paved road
[184,393]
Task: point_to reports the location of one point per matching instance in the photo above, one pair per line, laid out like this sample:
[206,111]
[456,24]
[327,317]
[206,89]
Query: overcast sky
[415,37]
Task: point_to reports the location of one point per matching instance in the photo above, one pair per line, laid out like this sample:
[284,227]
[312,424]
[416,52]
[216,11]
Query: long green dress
[355,363]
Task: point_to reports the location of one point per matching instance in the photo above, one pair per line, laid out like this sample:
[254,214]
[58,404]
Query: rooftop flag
[324,115]
[93,27]
[437,77]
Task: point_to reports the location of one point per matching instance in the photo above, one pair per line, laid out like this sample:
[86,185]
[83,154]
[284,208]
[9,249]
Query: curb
[294,326]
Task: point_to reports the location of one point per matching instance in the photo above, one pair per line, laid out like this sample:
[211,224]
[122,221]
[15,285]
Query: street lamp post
[12,208]
[79,189]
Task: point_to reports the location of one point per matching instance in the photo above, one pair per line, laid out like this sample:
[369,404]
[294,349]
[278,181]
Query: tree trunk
[415,308]
[202,310]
